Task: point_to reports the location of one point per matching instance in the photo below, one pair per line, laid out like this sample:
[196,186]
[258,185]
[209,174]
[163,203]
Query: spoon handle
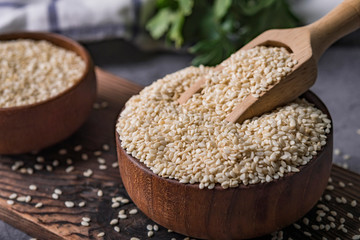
[342,20]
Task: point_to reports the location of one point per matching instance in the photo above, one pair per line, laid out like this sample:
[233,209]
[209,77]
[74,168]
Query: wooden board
[55,221]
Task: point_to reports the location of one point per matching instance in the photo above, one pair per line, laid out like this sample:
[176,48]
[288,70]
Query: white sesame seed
[55,196]
[133,211]
[55,163]
[122,216]
[69,204]
[349,215]
[69,169]
[86,224]
[101,234]
[102,167]
[115,164]
[96,105]
[117,229]
[82,204]
[57,191]
[315,227]
[84,156]
[62,151]
[106,147]
[49,168]
[86,219]
[10,202]
[28,199]
[330,187]
[169,230]
[306,221]
[88,173]
[353,203]
[156,228]
[39,205]
[77,148]
[21,199]
[97,153]
[150,233]
[100,193]
[69,161]
[101,160]
[13,196]
[307,234]
[342,220]
[358,131]
[346,157]
[356,237]
[337,151]
[134,238]
[40,159]
[124,201]
[328,197]
[342,184]
[38,167]
[297,226]
[115,205]
[104,104]
[30,171]
[114,221]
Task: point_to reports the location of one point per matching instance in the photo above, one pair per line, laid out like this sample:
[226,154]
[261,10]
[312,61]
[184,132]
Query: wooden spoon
[307,44]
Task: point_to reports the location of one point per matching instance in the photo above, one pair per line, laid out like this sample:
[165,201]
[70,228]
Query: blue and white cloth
[83,20]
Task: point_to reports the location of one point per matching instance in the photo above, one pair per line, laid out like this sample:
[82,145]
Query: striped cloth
[83,20]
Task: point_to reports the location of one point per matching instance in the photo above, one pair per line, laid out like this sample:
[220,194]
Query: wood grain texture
[54,221]
[35,126]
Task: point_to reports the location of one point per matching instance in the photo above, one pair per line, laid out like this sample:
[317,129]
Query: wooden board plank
[55,221]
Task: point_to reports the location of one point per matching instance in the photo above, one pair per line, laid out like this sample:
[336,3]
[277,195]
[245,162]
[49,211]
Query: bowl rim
[49,37]
[307,95]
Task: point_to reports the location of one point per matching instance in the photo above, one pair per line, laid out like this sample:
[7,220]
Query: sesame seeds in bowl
[188,157]
[48,89]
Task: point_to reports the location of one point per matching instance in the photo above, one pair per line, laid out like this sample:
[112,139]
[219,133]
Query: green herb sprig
[214,29]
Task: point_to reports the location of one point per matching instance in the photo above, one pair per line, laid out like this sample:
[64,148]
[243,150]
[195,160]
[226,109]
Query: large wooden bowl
[35,126]
[234,213]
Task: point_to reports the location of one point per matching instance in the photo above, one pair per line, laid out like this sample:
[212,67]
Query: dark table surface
[338,85]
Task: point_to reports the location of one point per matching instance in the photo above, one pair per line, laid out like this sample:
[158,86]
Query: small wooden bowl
[35,126]
[234,213]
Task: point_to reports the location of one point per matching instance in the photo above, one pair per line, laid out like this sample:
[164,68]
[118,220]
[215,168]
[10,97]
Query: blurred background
[143,40]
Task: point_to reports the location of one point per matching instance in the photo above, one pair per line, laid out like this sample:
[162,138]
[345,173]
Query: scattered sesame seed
[100,193]
[101,234]
[331,219]
[353,203]
[28,199]
[124,201]
[337,151]
[69,204]
[122,216]
[150,233]
[307,234]
[84,156]
[104,104]
[342,184]
[134,238]
[55,163]
[169,230]
[122,211]
[315,227]
[101,160]
[82,204]
[334,213]
[57,191]
[350,215]
[13,196]
[156,227]
[306,221]
[55,196]
[96,105]
[342,220]
[77,148]
[106,147]
[117,229]
[49,168]
[102,167]
[40,159]
[328,197]
[356,237]
[69,169]
[30,171]
[297,226]
[115,205]
[114,221]
[97,153]
[86,224]
[330,187]
[21,199]
[358,131]
[346,157]
[38,167]
[343,200]
[88,173]
[69,161]
[86,219]
[10,202]
[149,227]
[115,164]
[133,211]
[39,205]
[62,151]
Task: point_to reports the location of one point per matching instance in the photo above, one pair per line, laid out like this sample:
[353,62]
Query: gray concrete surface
[338,85]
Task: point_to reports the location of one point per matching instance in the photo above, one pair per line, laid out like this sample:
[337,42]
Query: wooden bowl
[35,126]
[233,213]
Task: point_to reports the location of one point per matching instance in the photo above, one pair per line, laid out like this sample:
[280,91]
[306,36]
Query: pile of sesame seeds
[194,144]
[34,71]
